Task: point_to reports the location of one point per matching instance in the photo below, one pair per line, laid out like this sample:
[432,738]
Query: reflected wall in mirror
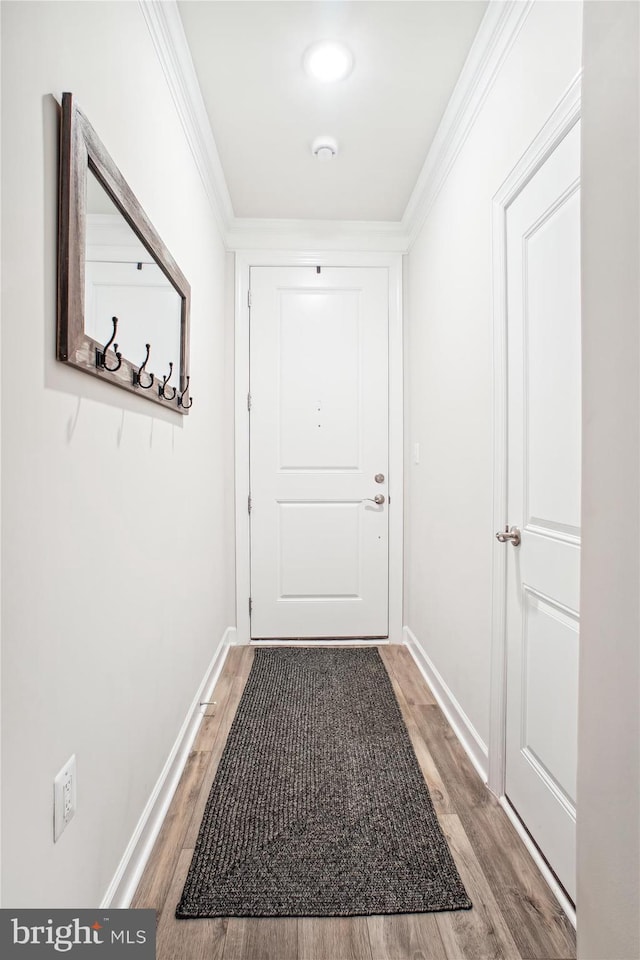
[123,280]
[118,286]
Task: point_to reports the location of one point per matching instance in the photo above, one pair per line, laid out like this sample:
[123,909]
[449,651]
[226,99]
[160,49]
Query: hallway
[485,160]
[514,916]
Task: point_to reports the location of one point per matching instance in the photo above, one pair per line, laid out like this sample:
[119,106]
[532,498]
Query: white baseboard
[127,876]
[477,752]
[474,745]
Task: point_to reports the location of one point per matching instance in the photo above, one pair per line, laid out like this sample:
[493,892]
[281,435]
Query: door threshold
[321,642]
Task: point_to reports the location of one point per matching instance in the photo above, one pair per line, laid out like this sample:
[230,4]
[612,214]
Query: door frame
[244,260]
[563,118]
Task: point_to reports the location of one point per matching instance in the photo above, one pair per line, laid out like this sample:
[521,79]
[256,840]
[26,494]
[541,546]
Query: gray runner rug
[319,807]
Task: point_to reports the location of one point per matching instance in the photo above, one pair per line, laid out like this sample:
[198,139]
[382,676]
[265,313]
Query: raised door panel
[320,386]
[551,257]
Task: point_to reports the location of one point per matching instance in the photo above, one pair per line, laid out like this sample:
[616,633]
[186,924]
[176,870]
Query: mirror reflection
[123,302]
[123,280]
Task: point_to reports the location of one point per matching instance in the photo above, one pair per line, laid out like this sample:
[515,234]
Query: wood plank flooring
[514,916]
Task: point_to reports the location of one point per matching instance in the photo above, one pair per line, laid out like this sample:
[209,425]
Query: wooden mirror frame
[82,150]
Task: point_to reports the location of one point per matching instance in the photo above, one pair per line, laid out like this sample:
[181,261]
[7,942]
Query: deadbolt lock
[379,478]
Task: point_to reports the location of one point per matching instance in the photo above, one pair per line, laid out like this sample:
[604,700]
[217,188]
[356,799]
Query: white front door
[319,452]
[544,357]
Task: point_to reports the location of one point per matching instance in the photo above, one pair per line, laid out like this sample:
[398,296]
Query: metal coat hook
[101,355]
[181,403]
[162,388]
[137,377]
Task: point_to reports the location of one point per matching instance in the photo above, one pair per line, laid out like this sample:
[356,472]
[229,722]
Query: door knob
[379,499]
[512,534]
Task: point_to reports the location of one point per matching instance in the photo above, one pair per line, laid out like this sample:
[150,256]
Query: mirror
[123,303]
[122,279]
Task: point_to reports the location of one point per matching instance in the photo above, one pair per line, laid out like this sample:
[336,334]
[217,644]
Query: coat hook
[162,387]
[181,403]
[137,377]
[101,355]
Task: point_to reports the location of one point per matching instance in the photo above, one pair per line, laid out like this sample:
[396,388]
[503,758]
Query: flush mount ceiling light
[324,148]
[328,61]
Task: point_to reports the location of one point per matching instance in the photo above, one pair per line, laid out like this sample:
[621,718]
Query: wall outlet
[64,797]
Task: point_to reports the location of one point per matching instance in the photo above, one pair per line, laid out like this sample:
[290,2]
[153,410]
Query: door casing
[244,260]
[561,121]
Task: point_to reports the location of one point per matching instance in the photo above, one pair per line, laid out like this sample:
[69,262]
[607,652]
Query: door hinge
[249,298]
[248,401]
[250,605]
[249,504]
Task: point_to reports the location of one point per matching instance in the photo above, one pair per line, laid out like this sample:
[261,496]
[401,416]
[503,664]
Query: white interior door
[544,358]
[319,452]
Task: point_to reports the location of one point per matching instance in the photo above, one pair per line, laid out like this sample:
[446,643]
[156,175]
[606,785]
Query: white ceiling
[265,111]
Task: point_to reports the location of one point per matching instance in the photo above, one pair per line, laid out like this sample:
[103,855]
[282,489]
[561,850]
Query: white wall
[609,752]
[117,515]
[1,144]
[449,530]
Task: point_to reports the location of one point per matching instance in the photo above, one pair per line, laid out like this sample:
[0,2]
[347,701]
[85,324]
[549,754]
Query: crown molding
[498,30]
[365,235]
[167,33]
[241,233]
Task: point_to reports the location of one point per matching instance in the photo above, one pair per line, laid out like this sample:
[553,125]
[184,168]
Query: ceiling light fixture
[328,61]
[324,148]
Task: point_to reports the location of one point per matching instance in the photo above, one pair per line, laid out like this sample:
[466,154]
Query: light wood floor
[514,917]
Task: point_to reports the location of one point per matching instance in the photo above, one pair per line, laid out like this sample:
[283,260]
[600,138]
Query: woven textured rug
[319,807]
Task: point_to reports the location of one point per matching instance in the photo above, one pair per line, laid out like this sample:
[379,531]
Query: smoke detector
[324,148]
